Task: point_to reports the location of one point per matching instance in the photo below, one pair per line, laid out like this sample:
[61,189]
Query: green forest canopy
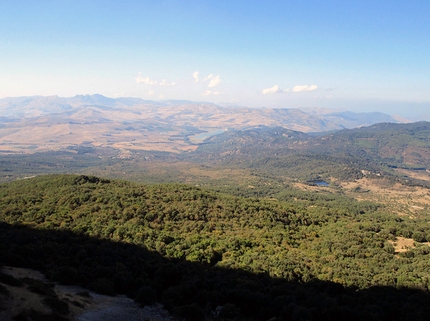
[165,242]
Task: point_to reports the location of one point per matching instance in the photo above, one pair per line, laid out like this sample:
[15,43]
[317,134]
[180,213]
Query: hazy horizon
[359,56]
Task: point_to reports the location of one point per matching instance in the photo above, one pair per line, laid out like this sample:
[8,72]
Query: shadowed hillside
[194,250]
[191,290]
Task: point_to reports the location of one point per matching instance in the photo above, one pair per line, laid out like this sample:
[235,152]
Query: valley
[214,161]
[30,124]
[213,213]
[193,249]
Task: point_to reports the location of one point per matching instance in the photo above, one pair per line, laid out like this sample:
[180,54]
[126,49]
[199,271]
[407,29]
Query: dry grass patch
[412,201]
[402,244]
[422,175]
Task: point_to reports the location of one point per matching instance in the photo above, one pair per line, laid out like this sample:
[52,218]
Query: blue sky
[354,55]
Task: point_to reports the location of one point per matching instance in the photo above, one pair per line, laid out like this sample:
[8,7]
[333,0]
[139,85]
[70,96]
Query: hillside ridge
[38,123]
[195,250]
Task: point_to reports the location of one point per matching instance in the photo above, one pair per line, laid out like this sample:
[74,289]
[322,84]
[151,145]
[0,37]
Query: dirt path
[91,307]
[120,308]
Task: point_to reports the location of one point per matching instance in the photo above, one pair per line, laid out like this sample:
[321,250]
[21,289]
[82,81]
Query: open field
[413,201]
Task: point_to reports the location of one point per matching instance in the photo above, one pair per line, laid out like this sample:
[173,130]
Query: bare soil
[402,244]
[412,201]
[94,307]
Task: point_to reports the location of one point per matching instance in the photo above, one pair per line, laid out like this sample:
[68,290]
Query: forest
[291,256]
[274,153]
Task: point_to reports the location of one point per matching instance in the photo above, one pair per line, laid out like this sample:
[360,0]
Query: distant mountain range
[51,123]
[396,145]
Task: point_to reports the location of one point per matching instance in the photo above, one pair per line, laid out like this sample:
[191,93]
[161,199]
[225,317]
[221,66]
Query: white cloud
[150,93]
[214,93]
[160,96]
[273,90]
[196,76]
[214,82]
[148,81]
[145,80]
[165,83]
[207,78]
[298,88]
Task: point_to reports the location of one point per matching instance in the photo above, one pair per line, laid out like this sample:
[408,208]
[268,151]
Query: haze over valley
[214,160]
[31,124]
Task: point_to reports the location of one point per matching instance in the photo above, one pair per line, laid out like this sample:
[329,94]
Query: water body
[319,183]
[199,138]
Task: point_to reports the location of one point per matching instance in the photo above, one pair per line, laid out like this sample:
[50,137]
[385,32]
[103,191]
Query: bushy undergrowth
[196,250]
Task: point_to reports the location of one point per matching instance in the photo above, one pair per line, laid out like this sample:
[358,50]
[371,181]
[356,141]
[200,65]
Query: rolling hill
[374,149]
[204,254]
[30,124]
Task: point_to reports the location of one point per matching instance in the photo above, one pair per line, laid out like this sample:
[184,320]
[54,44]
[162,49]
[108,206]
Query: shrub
[102,286]
[57,305]
[9,280]
[4,290]
[192,312]
[146,296]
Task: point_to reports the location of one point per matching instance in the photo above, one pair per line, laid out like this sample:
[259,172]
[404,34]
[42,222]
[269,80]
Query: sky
[343,55]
